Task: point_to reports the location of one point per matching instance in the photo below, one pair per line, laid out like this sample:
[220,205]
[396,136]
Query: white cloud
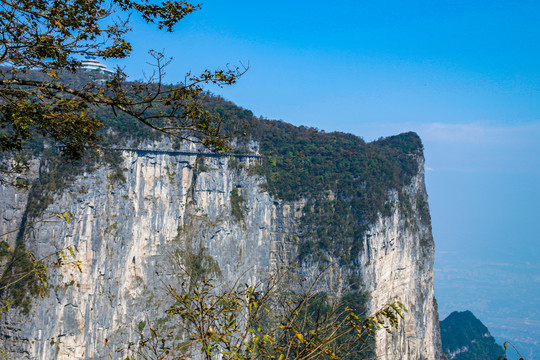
[481,133]
[475,147]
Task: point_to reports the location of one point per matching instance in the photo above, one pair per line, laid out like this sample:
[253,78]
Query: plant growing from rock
[262,321]
[23,276]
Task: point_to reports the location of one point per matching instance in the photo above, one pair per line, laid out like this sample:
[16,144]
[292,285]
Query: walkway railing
[186,153]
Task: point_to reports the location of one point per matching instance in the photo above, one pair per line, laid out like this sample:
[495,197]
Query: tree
[23,272]
[42,44]
[267,320]
[44,93]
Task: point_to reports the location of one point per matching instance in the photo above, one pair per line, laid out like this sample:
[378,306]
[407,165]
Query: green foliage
[345,180]
[28,286]
[320,308]
[41,47]
[114,160]
[330,226]
[199,264]
[235,164]
[463,330]
[141,325]
[273,319]
[423,210]
[4,249]
[303,162]
[200,165]
[24,277]
[265,321]
[238,206]
[57,174]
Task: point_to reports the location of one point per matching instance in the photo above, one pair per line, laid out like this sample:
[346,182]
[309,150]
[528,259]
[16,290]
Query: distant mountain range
[464,337]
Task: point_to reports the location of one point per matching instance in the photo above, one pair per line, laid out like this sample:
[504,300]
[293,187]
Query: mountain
[464,337]
[289,196]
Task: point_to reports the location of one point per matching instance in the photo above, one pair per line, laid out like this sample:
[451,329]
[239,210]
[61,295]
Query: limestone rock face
[398,266]
[130,234]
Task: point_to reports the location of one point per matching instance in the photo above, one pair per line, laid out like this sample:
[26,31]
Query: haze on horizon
[463,74]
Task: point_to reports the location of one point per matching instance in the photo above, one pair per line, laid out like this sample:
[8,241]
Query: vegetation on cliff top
[345,181]
[343,178]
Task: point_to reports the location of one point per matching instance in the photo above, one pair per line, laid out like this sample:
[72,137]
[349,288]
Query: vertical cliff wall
[131,231]
[398,266]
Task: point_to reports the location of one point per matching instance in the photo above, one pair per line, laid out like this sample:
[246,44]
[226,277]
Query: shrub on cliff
[263,321]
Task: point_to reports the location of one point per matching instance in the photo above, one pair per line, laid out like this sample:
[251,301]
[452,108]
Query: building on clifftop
[91,64]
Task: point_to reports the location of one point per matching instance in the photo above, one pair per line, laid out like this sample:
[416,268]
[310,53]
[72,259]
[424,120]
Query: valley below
[498,293]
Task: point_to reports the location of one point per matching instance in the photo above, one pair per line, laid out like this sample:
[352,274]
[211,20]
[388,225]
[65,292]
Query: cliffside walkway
[186,153]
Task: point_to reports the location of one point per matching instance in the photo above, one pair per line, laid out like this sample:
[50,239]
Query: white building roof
[91,64]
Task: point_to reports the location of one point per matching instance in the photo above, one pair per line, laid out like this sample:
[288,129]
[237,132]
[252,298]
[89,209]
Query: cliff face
[398,265]
[130,234]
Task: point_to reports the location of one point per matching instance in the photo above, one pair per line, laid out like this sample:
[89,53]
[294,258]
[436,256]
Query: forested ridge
[345,180]
[60,123]
[464,337]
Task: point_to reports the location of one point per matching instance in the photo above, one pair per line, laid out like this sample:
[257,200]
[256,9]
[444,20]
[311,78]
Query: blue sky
[451,61]
[465,75]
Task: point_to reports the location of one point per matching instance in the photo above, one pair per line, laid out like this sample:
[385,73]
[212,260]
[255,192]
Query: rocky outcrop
[464,337]
[398,266]
[131,233]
